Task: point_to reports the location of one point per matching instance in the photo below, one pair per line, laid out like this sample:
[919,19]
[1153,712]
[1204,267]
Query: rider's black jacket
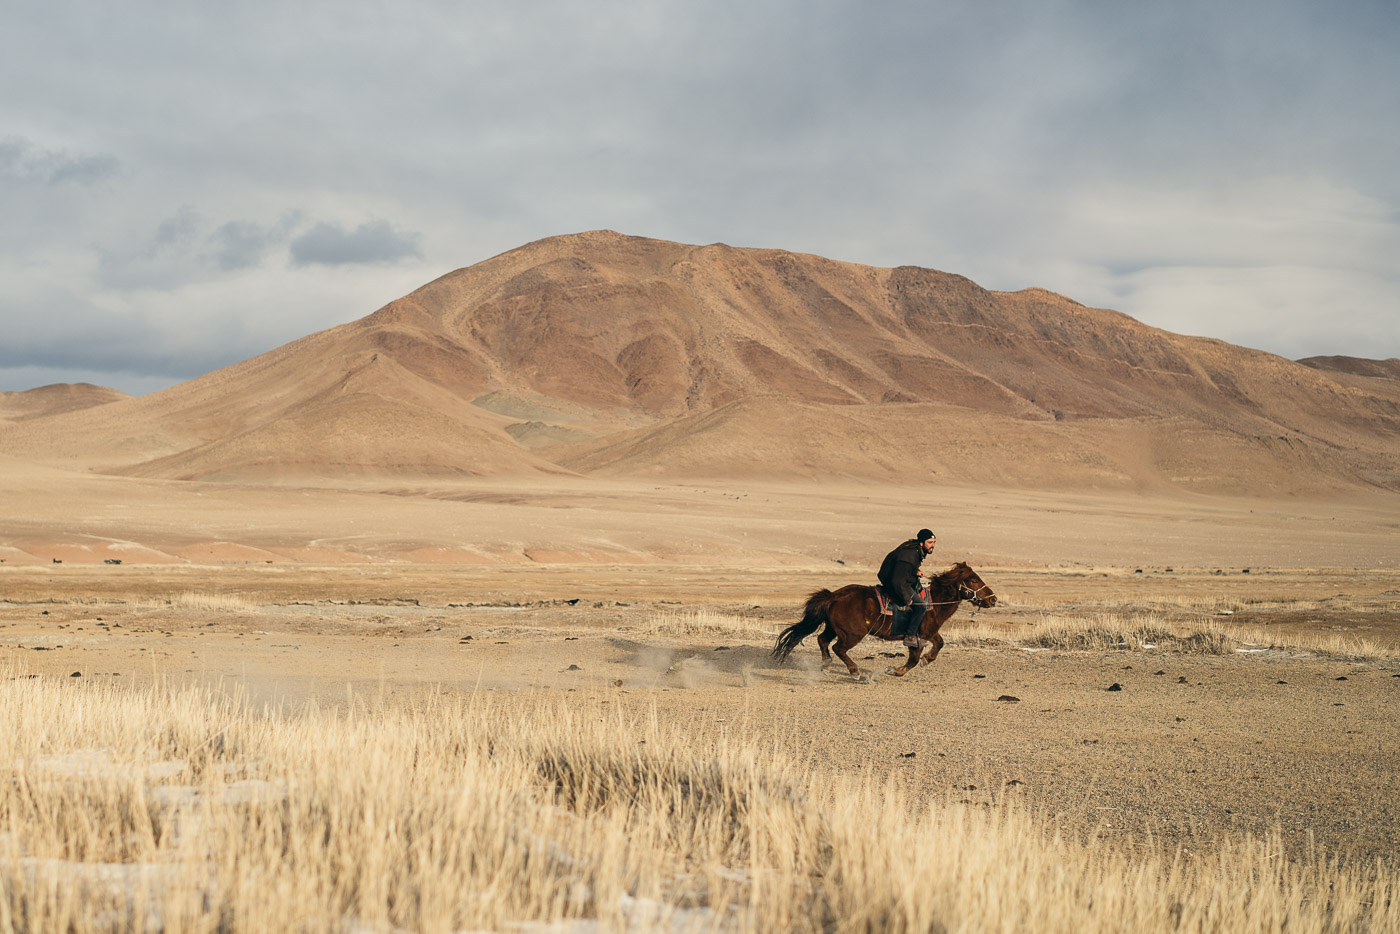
[899,572]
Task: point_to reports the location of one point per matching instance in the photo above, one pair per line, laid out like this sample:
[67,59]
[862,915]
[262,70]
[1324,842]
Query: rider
[899,575]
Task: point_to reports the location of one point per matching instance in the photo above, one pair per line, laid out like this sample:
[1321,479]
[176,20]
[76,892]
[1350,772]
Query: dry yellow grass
[182,600]
[213,602]
[1328,645]
[705,622]
[186,810]
[1130,630]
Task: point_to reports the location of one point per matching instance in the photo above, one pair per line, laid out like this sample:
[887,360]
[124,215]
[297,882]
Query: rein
[965,593]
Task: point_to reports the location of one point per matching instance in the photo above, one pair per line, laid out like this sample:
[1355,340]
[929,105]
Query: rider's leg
[916,618]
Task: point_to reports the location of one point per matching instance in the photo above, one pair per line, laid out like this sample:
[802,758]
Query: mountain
[54,399]
[606,354]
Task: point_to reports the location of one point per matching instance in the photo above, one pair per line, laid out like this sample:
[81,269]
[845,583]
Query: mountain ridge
[621,345]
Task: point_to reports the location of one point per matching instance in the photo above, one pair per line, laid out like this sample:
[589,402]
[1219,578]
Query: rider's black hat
[924,535]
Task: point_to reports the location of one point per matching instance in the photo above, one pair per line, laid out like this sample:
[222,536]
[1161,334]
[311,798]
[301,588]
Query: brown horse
[853,612]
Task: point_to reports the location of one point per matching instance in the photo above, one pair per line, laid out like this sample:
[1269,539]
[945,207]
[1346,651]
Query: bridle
[965,592]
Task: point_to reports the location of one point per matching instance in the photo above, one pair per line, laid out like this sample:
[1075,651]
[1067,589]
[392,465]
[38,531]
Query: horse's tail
[814,616]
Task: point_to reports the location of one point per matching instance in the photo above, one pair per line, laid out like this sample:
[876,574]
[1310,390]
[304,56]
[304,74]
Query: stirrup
[914,642]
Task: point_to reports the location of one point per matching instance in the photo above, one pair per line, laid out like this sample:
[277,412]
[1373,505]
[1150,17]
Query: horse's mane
[958,572]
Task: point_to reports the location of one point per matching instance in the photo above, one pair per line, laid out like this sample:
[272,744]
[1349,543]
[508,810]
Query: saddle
[887,604]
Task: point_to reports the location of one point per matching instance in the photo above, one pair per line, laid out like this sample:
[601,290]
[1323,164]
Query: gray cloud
[186,248]
[376,241]
[110,339]
[239,244]
[1217,169]
[175,232]
[166,259]
[243,244]
[23,161]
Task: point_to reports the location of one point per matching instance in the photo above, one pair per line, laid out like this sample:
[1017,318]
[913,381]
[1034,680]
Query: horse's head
[970,586]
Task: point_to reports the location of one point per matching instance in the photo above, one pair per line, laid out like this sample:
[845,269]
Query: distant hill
[1356,366]
[606,354]
[54,399]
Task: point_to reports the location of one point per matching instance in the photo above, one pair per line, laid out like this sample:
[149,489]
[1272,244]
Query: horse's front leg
[914,650]
[935,644]
[903,670]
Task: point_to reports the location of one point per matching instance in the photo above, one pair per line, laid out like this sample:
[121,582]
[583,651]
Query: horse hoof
[860,677]
[897,672]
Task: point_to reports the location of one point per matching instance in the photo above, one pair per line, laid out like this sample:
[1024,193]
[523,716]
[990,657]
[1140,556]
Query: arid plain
[595,477]
[1291,724]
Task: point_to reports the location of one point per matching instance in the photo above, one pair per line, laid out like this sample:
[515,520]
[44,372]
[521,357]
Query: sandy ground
[74,517]
[1190,747]
[289,594]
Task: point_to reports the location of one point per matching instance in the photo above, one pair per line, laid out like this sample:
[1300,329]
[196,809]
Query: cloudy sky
[183,186]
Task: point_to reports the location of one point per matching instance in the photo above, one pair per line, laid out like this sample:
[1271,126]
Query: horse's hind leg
[824,641]
[841,649]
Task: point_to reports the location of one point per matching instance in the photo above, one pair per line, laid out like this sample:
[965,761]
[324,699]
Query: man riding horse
[899,575]
[845,616]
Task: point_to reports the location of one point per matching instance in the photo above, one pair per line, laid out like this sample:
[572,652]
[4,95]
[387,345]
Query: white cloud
[1295,266]
[1245,222]
[1294,311]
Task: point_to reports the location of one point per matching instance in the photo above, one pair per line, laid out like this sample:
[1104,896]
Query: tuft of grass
[1103,632]
[1325,644]
[213,602]
[1212,604]
[1136,632]
[704,622]
[979,633]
